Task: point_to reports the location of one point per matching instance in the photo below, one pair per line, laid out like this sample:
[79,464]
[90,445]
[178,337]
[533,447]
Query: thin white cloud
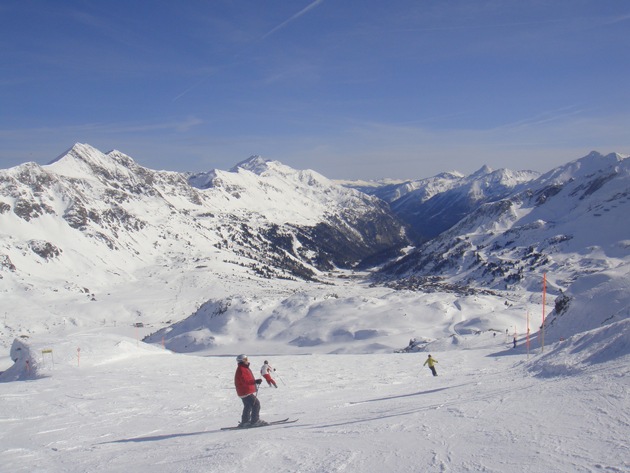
[545,117]
[304,10]
[293,18]
[194,86]
[179,126]
[619,19]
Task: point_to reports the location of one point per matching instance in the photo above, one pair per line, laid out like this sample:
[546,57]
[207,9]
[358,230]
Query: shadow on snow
[388,398]
[156,438]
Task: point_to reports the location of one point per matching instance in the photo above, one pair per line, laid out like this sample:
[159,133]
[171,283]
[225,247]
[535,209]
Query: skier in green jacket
[431,362]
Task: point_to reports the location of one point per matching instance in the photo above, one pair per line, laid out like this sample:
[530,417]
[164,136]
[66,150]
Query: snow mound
[37,358]
[592,301]
[24,366]
[573,356]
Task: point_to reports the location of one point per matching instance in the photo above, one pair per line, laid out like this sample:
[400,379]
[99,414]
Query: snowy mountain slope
[568,222]
[433,205]
[499,251]
[262,188]
[593,300]
[341,226]
[430,214]
[189,261]
[91,223]
[391,190]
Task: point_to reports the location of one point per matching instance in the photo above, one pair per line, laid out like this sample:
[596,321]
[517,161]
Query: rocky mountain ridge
[287,223]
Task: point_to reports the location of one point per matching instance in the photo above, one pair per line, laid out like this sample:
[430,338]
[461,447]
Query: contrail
[304,10]
[194,86]
[294,17]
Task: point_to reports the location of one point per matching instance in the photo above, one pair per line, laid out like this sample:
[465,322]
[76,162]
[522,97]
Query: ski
[275,422]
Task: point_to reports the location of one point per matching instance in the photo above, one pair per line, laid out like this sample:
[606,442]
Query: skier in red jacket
[246,389]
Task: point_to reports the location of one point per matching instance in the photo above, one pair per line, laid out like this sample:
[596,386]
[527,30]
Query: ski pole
[280,378]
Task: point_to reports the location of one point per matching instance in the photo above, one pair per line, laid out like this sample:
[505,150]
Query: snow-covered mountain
[568,222]
[91,221]
[433,205]
[274,214]
[94,230]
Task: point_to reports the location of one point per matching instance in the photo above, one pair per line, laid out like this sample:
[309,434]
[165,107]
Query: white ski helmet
[241,358]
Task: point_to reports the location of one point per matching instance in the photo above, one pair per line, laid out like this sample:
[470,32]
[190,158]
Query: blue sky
[352,89]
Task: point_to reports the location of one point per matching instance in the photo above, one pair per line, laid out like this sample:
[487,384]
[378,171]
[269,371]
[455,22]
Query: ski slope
[119,405]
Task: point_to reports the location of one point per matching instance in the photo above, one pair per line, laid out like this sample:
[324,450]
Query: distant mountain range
[431,206]
[103,215]
[569,221]
[287,223]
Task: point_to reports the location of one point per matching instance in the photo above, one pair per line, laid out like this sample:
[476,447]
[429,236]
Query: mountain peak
[76,150]
[482,171]
[593,162]
[255,163]
[83,160]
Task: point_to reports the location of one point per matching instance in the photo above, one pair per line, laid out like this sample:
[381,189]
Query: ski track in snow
[363,413]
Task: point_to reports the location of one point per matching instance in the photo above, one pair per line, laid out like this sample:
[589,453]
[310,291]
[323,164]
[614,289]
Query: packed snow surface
[98,402]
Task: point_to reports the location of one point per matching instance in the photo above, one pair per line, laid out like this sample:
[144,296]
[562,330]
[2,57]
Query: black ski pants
[251,409]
